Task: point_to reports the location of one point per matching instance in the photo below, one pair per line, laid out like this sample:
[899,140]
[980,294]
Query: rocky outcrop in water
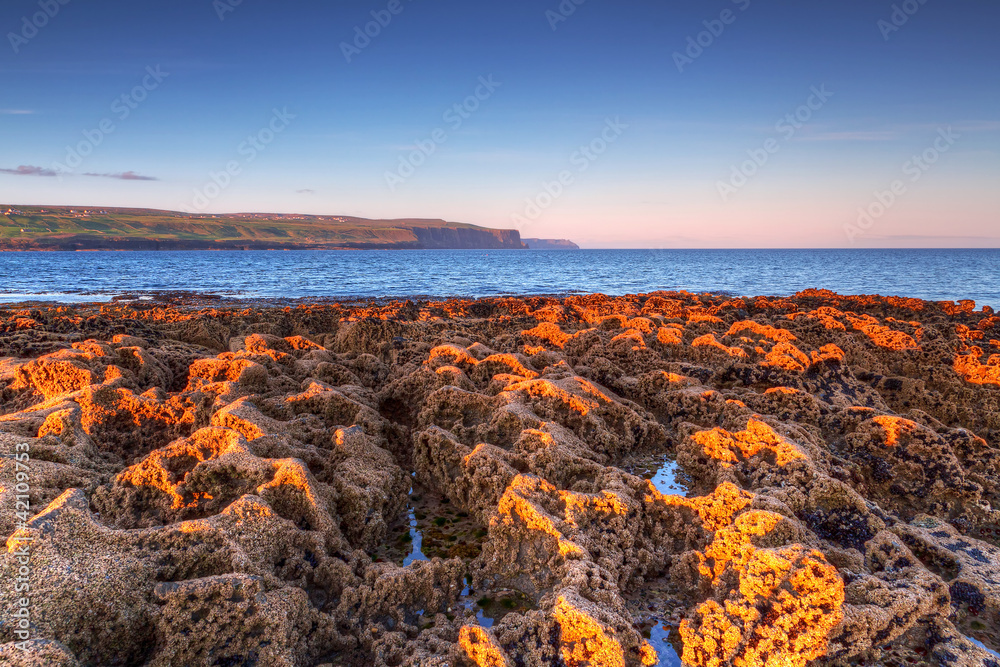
[551,244]
[482,483]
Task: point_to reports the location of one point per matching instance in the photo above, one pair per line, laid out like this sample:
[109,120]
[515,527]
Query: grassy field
[39,224]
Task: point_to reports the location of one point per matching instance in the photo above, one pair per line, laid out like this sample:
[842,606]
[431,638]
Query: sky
[629,124]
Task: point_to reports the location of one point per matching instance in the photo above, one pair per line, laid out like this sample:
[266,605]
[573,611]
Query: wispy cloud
[124,176]
[958,125]
[979,126]
[104,68]
[32,170]
[498,155]
[16,112]
[863,135]
[894,132]
[29,170]
[305,191]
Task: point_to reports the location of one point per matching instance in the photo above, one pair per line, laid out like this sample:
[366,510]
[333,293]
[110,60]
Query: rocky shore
[575,481]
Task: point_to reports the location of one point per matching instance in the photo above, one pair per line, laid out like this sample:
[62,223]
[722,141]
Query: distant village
[84,213]
[75,213]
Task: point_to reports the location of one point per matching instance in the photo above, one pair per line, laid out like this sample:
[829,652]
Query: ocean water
[100,276]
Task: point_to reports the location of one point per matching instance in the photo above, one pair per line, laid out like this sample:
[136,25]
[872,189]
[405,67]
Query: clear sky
[293,109]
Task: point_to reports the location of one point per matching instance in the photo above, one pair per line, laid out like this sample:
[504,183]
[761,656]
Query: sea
[74,277]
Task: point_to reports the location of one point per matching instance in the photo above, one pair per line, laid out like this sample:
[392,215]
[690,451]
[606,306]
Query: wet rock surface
[644,480]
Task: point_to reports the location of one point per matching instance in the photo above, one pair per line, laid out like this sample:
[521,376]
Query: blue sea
[101,276]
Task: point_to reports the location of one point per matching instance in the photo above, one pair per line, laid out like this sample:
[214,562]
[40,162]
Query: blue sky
[264,100]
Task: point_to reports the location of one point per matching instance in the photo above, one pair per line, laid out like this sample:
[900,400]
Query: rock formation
[479,483]
[550,244]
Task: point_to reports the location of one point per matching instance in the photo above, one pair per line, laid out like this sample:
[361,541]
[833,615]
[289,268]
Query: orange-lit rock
[786,604]
[709,341]
[973,370]
[481,648]
[827,354]
[53,378]
[729,448]
[670,335]
[548,332]
[882,335]
[810,478]
[226,368]
[703,318]
[632,338]
[763,330]
[720,508]
[894,427]
[787,357]
[585,642]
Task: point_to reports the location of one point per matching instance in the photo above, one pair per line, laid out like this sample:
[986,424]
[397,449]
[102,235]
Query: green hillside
[49,227]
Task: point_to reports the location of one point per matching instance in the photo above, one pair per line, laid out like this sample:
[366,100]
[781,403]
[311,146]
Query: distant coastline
[550,244]
[82,228]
